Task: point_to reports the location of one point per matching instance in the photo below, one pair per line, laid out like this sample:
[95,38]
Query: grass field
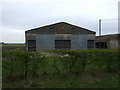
[68,80]
[92,68]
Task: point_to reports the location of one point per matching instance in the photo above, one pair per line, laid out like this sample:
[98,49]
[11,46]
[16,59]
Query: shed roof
[108,37]
[60,28]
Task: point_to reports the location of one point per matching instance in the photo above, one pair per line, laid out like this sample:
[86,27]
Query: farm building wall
[80,41]
[108,41]
[59,36]
[29,37]
[45,41]
[113,44]
[48,41]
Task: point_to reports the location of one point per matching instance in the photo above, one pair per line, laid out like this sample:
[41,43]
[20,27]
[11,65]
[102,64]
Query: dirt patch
[7,47]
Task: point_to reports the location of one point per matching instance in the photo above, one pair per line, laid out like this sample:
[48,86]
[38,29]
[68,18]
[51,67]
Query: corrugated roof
[108,37]
[60,28]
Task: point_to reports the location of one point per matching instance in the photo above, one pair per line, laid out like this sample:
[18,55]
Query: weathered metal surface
[80,41]
[60,28]
[45,36]
[111,40]
[113,44]
[62,36]
[45,41]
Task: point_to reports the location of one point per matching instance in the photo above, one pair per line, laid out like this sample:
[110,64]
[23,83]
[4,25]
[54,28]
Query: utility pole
[100,27]
[99,32]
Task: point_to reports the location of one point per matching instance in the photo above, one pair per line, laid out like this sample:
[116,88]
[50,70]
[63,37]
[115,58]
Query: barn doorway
[101,45]
[62,44]
[31,45]
[90,43]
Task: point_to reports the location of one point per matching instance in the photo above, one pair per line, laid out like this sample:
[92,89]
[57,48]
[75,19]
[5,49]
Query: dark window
[97,45]
[62,44]
[31,45]
[90,43]
[101,45]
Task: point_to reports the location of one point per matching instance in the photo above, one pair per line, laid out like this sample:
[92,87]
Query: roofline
[108,35]
[81,27]
[58,23]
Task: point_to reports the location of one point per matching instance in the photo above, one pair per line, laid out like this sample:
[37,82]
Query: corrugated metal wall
[45,41]
[80,41]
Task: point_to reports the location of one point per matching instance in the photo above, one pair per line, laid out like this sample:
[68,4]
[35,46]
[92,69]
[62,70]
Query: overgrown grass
[93,68]
[67,80]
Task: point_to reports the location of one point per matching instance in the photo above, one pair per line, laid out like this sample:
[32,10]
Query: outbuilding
[60,35]
[111,41]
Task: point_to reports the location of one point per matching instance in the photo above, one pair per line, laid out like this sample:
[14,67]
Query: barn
[111,41]
[60,35]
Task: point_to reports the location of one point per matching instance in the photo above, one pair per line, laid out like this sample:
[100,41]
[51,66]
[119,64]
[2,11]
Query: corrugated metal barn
[60,35]
[108,41]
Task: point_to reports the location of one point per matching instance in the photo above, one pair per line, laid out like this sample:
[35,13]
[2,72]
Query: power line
[109,19]
[100,24]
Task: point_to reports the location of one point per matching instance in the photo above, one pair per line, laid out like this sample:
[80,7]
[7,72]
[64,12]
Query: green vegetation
[92,68]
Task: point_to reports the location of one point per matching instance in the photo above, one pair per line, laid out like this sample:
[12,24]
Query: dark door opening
[31,45]
[90,43]
[62,44]
[101,45]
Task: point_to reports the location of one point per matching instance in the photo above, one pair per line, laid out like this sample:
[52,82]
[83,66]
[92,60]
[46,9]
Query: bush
[20,62]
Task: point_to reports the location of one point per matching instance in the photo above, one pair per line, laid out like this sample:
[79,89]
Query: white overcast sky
[21,15]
